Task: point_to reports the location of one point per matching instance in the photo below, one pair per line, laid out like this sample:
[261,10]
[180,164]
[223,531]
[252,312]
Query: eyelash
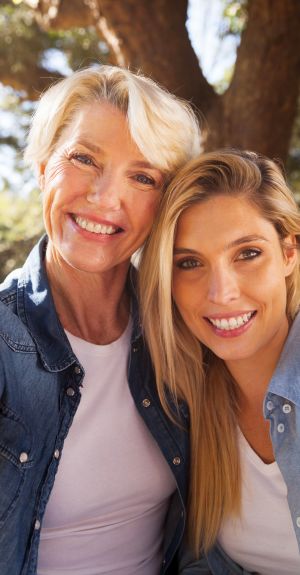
[187,264]
[190,264]
[249,254]
[79,157]
[144,180]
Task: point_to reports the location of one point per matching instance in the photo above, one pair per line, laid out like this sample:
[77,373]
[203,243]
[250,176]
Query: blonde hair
[164,127]
[182,365]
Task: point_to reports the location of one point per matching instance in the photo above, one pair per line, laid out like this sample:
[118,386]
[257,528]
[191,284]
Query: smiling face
[100,194]
[229,278]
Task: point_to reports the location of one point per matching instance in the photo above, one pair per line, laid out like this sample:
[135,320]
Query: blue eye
[146,180]
[249,254]
[83,159]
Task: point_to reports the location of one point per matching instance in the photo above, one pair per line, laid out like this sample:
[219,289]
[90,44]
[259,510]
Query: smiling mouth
[231,323]
[94,227]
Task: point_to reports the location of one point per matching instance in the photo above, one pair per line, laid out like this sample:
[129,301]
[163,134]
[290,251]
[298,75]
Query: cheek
[60,185]
[144,212]
[56,170]
[48,202]
[272,285]
[62,176]
[152,205]
[54,195]
[183,296]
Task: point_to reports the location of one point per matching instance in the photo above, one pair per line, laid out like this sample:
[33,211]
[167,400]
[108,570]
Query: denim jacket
[282,408]
[40,380]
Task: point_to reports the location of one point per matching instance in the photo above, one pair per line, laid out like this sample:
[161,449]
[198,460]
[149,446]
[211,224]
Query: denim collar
[286,379]
[36,308]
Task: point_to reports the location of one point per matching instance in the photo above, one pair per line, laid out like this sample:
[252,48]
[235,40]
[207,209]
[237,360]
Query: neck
[253,374]
[92,306]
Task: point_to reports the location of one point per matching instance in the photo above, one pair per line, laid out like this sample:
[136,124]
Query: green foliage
[20,225]
[293,164]
[80,46]
[20,218]
[19,31]
[221,86]
[235,17]
[24,45]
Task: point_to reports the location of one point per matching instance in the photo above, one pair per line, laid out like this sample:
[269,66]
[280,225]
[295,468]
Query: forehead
[222,219]
[98,121]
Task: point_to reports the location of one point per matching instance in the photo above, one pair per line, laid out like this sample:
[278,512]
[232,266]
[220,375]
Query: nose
[223,285]
[105,191]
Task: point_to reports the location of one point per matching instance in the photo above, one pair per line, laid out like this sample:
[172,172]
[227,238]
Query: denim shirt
[40,381]
[282,408]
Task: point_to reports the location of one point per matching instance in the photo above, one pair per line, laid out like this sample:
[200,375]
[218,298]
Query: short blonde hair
[184,366]
[164,127]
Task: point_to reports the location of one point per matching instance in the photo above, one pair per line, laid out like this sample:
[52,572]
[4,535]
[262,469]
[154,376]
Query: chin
[230,354]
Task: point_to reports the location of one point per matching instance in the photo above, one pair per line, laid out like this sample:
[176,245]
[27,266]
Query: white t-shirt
[107,509]
[263,540]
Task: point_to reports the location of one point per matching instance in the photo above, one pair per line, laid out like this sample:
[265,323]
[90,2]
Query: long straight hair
[182,364]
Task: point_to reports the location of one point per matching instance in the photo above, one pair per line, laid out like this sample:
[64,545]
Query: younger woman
[220,276]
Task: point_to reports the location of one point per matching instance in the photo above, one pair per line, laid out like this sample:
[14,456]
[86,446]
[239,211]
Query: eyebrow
[146,165]
[245,240]
[92,147]
[184,251]
[234,243]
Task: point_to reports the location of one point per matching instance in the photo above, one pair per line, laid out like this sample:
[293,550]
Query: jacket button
[286,408]
[70,391]
[135,349]
[37,525]
[146,402]
[23,457]
[56,453]
[77,369]
[176,461]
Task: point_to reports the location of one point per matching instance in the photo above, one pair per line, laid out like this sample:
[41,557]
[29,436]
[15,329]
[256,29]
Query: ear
[290,252]
[41,176]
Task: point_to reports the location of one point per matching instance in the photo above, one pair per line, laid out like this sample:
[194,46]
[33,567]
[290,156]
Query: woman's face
[100,193]
[229,278]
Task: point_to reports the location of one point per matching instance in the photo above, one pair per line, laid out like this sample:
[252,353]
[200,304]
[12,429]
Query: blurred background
[238,62]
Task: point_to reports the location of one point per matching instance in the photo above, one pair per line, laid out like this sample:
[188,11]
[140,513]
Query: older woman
[90,467]
[221,270]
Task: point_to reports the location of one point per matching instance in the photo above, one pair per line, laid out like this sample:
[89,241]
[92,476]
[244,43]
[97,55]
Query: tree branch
[63,14]
[150,36]
[34,83]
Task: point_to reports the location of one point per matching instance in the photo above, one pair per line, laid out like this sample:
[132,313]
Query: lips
[231,323]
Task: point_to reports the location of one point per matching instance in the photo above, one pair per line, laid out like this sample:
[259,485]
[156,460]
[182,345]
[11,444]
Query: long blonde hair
[182,365]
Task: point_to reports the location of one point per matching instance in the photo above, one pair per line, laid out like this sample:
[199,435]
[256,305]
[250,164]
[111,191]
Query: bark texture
[261,102]
[257,111]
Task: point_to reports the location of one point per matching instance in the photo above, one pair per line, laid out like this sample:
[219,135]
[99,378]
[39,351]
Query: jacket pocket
[15,443]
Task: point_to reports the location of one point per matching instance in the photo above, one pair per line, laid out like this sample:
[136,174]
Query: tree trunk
[260,105]
[257,111]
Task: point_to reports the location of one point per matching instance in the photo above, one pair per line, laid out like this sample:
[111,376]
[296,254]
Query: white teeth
[232,322]
[93,227]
